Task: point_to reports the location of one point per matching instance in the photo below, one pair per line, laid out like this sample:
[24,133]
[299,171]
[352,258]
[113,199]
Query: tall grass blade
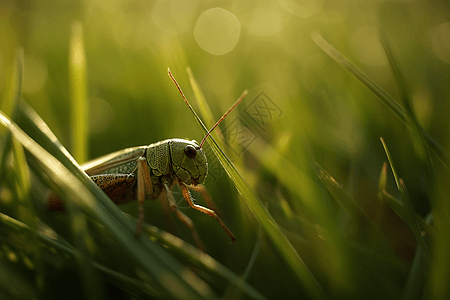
[14,90]
[78,94]
[205,110]
[273,231]
[79,117]
[410,213]
[398,110]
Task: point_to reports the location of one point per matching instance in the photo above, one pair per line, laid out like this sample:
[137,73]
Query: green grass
[313,216]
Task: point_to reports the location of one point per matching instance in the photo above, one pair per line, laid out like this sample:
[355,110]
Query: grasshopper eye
[190,151]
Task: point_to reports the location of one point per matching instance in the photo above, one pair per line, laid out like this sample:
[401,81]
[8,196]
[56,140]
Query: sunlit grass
[313,215]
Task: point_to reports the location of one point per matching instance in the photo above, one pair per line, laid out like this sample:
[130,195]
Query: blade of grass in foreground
[51,245]
[200,259]
[175,280]
[382,95]
[279,240]
[22,172]
[411,214]
[28,215]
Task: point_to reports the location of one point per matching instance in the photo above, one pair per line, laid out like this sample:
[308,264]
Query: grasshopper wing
[117,162]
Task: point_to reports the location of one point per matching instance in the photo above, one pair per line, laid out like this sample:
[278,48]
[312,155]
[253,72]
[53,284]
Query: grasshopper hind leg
[144,190]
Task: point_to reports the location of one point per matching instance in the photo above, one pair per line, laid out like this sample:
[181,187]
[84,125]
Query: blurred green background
[320,114]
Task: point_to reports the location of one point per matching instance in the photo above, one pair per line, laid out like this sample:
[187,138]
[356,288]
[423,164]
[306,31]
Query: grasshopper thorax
[182,157]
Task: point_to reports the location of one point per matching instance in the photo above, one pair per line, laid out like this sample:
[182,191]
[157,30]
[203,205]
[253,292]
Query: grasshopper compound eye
[190,151]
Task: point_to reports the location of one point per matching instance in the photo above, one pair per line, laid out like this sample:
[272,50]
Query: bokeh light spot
[217,31]
[303,9]
[441,42]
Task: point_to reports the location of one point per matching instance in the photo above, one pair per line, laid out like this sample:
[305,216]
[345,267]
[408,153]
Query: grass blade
[399,209]
[12,95]
[23,191]
[201,259]
[271,228]
[273,231]
[410,213]
[344,200]
[382,182]
[439,205]
[59,249]
[416,133]
[416,277]
[78,93]
[205,110]
[12,98]
[383,96]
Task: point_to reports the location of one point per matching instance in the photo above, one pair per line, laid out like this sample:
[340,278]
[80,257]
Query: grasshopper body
[147,172]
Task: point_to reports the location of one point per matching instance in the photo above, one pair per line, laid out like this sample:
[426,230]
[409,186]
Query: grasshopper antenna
[239,100]
[224,115]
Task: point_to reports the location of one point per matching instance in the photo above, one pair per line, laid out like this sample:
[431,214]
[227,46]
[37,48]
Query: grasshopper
[149,172]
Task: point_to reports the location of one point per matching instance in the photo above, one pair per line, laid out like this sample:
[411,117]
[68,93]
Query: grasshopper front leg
[188,198]
[209,202]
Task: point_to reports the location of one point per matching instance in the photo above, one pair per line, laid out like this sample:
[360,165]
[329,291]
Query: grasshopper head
[188,161]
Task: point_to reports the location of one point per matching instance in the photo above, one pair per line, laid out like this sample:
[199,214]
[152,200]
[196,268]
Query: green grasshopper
[148,172]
